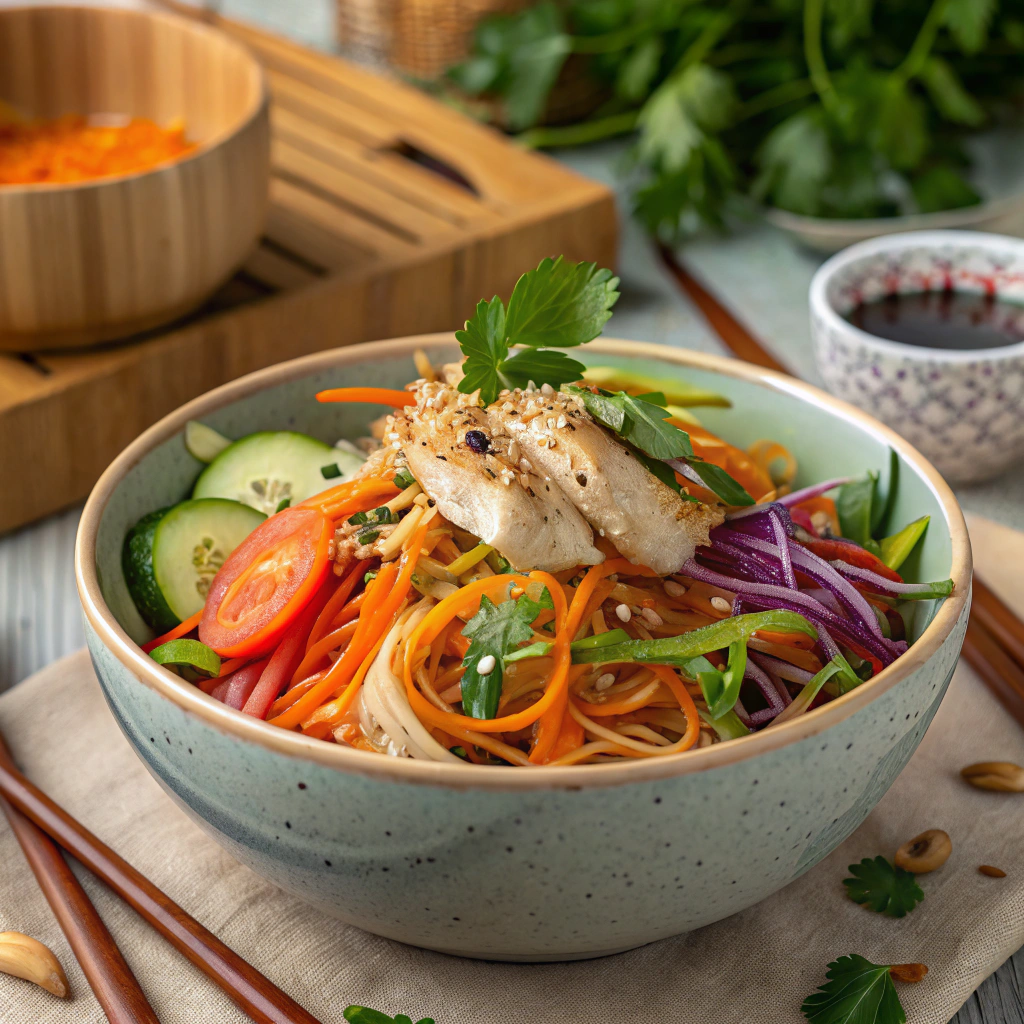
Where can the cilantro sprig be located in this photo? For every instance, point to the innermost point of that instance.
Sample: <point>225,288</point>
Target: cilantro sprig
<point>496,631</point>
<point>857,992</point>
<point>881,887</point>
<point>364,1015</point>
<point>560,303</point>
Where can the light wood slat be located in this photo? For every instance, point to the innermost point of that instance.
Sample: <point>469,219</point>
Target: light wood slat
<point>343,223</point>
<point>375,204</point>
<point>276,270</point>
<point>312,241</point>
<point>17,377</point>
<point>345,118</point>
<point>392,172</point>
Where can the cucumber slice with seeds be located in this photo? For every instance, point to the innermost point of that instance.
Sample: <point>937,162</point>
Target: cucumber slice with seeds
<point>171,556</point>
<point>263,470</point>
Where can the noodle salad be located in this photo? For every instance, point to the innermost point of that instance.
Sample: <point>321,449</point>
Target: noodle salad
<point>525,562</point>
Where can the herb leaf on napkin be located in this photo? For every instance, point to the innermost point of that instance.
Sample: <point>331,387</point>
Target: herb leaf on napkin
<point>857,992</point>
<point>878,885</point>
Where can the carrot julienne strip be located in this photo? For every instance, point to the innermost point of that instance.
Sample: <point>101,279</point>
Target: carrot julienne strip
<point>183,627</point>
<point>377,396</point>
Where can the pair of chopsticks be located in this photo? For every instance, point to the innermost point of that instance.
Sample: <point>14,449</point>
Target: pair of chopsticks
<point>994,645</point>
<point>41,827</point>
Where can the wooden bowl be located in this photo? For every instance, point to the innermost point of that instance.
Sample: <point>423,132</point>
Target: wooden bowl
<point>91,261</point>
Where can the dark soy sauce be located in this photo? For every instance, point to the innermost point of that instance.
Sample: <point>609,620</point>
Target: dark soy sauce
<point>949,320</point>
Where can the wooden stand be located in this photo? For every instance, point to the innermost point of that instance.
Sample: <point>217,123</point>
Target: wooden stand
<point>391,215</point>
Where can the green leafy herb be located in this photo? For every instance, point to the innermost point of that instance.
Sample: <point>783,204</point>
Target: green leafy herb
<point>881,887</point>
<point>561,303</point>
<point>857,992</point>
<point>715,479</point>
<point>638,421</point>
<point>364,1015</point>
<point>854,503</point>
<point>330,472</point>
<point>495,631</point>
<point>829,108</point>
<point>404,478</point>
<point>283,504</point>
<point>188,654</point>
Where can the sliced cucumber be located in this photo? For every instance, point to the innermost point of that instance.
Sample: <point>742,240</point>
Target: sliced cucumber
<point>171,556</point>
<point>262,470</point>
<point>204,442</point>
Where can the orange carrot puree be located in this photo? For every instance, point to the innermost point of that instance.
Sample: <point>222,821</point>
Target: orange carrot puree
<point>71,148</point>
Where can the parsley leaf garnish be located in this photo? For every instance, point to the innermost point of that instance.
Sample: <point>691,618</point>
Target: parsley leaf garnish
<point>495,630</point>
<point>857,992</point>
<point>883,888</point>
<point>560,303</point>
<point>364,1015</point>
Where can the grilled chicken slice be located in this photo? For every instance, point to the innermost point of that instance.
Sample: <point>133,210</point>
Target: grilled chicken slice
<point>645,519</point>
<point>476,487</point>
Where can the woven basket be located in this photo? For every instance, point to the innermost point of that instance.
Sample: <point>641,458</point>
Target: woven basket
<point>421,38</point>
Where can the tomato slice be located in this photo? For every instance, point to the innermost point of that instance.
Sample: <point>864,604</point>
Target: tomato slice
<point>266,582</point>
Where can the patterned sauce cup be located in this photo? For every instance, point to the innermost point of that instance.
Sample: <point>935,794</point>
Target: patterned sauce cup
<point>964,409</point>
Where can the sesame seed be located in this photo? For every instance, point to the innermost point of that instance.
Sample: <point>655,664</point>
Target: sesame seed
<point>623,612</point>
<point>652,617</point>
<point>485,666</point>
<point>604,681</point>
<point>561,422</point>
<point>720,604</point>
<point>674,589</point>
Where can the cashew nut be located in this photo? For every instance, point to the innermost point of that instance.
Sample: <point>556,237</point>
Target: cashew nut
<point>24,957</point>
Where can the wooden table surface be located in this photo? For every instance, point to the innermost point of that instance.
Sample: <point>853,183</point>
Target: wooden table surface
<point>758,272</point>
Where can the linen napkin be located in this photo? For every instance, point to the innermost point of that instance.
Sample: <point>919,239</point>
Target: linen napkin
<point>754,967</point>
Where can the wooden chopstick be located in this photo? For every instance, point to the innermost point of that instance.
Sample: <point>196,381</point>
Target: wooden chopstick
<point>994,645</point>
<point>994,648</point>
<point>110,978</point>
<point>255,994</point>
<point>732,333</point>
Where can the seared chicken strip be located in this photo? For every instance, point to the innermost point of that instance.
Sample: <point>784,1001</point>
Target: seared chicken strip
<point>645,519</point>
<point>462,463</point>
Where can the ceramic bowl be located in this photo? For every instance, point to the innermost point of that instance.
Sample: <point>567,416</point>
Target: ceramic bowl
<point>511,863</point>
<point>963,409</point>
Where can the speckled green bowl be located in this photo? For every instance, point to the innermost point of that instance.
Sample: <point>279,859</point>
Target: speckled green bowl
<point>514,863</point>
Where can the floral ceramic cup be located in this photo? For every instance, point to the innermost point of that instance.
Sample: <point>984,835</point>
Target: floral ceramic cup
<point>963,409</point>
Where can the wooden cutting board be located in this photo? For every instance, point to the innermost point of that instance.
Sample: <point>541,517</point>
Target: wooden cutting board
<point>391,214</point>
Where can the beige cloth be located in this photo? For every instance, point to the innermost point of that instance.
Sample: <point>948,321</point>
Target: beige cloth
<point>755,967</point>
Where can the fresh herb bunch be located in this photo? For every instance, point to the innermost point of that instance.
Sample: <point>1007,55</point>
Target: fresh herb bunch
<point>830,108</point>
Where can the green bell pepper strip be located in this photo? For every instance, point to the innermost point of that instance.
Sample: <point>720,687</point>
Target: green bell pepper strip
<point>896,548</point>
<point>721,689</point>
<point>589,643</point>
<point>728,727</point>
<point>838,666</point>
<point>189,653</point>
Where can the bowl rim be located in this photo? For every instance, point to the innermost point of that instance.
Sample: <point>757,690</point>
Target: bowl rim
<point>258,107</point>
<point>432,773</point>
<point>822,308</point>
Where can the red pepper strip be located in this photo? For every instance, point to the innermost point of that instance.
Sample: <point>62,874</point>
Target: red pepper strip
<point>285,660</point>
<point>375,396</point>
<point>853,554</point>
<point>801,518</point>
<point>876,665</point>
<point>220,691</point>
<point>242,683</point>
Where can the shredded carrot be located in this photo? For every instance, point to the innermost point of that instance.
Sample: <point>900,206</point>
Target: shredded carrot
<point>461,602</point>
<point>375,396</point>
<point>336,603</point>
<point>71,148</point>
<point>231,665</point>
<point>352,496</point>
<point>186,626</point>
